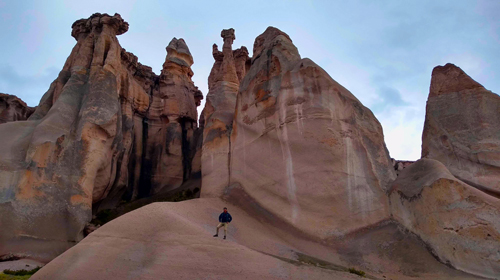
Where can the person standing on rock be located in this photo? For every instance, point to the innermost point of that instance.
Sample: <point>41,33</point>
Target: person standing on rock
<point>224,220</point>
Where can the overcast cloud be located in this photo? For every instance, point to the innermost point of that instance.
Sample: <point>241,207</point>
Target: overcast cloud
<point>382,51</point>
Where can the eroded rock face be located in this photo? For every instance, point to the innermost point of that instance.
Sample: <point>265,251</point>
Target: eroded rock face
<point>13,109</point>
<point>217,116</point>
<point>107,130</point>
<point>303,148</point>
<point>462,128</point>
<point>458,222</point>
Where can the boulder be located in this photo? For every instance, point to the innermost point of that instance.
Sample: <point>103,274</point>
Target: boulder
<point>462,128</point>
<point>13,109</point>
<point>302,147</point>
<point>459,223</point>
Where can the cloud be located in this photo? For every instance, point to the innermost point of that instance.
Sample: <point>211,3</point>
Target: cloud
<point>388,97</point>
<point>29,88</point>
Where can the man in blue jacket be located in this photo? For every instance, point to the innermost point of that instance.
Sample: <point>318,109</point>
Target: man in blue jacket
<point>224,220</point>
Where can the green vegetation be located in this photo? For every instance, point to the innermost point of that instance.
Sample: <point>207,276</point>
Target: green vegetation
<point>357,272</point>
<point>22,274</point>
<point>185,195</point>
<point>303,259</point>
<point>306,259</point>
<point>103,217</point>
<point>12,277</point>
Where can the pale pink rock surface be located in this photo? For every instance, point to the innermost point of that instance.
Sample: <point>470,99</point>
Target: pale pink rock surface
<point>462,128</point>
<point>459,223</point>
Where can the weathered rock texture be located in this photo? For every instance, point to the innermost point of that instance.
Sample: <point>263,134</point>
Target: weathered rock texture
<point>13,109</point>
<point>303,148</point>
<point>107,130</point>
<point>217,116</point>
<point>462,128</point>
<point>399,165</point>
<point>459,223</point>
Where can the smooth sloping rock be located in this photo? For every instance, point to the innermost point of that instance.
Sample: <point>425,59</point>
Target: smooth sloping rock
<point>13,109</point>
<point>459,223</point>
<point>103,133</point>
<point>462,128</point>
<point>217,116</point>
<point>303,147</point>
<point>174,240</point>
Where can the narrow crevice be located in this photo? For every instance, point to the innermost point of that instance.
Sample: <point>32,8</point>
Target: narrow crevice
<point>144,189</point>
<point>486,190</point>
<point>229,129</point>
<point>186,151</point>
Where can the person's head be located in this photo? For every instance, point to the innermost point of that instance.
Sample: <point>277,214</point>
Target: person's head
<point>225,209</point>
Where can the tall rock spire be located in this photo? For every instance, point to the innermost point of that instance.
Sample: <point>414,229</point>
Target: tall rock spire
<point>462,128</point>
<point>108,130</point>
<point>217,116</point>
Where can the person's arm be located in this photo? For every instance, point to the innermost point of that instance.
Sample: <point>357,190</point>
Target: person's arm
<point>230,218</point>
<point>220,218</point>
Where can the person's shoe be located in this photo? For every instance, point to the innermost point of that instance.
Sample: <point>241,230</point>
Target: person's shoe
<point>224,237</point>
<point>216,235</point>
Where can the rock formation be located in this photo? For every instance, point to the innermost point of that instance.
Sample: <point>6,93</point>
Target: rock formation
<point>107,130</point>
<point>459,223</point>
<point>399,165</point>
<point>13,109</point>
<point>217,116</point>
<point>462,128</point>
<point>303,148</point>
<point>300,162</point>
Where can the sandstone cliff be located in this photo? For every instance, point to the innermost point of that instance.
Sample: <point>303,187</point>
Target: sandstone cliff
<point>107,130</point>
<point>462,128</point>
<point>302,147</point>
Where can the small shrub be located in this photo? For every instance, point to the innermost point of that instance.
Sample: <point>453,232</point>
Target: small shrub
<point>357,272</point>
<point>21,272</point>
<point>103,217</point>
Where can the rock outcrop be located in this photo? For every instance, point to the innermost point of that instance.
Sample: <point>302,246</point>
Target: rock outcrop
<point>303,148</point>
<point>217,116</point>
<point>399,165</point>
<point>459,223</point>
<point>108,130</point>
<point>462,128</point>
<point>13,109</point>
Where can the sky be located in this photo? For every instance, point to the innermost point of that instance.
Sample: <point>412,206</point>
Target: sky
<point>381,51</point>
